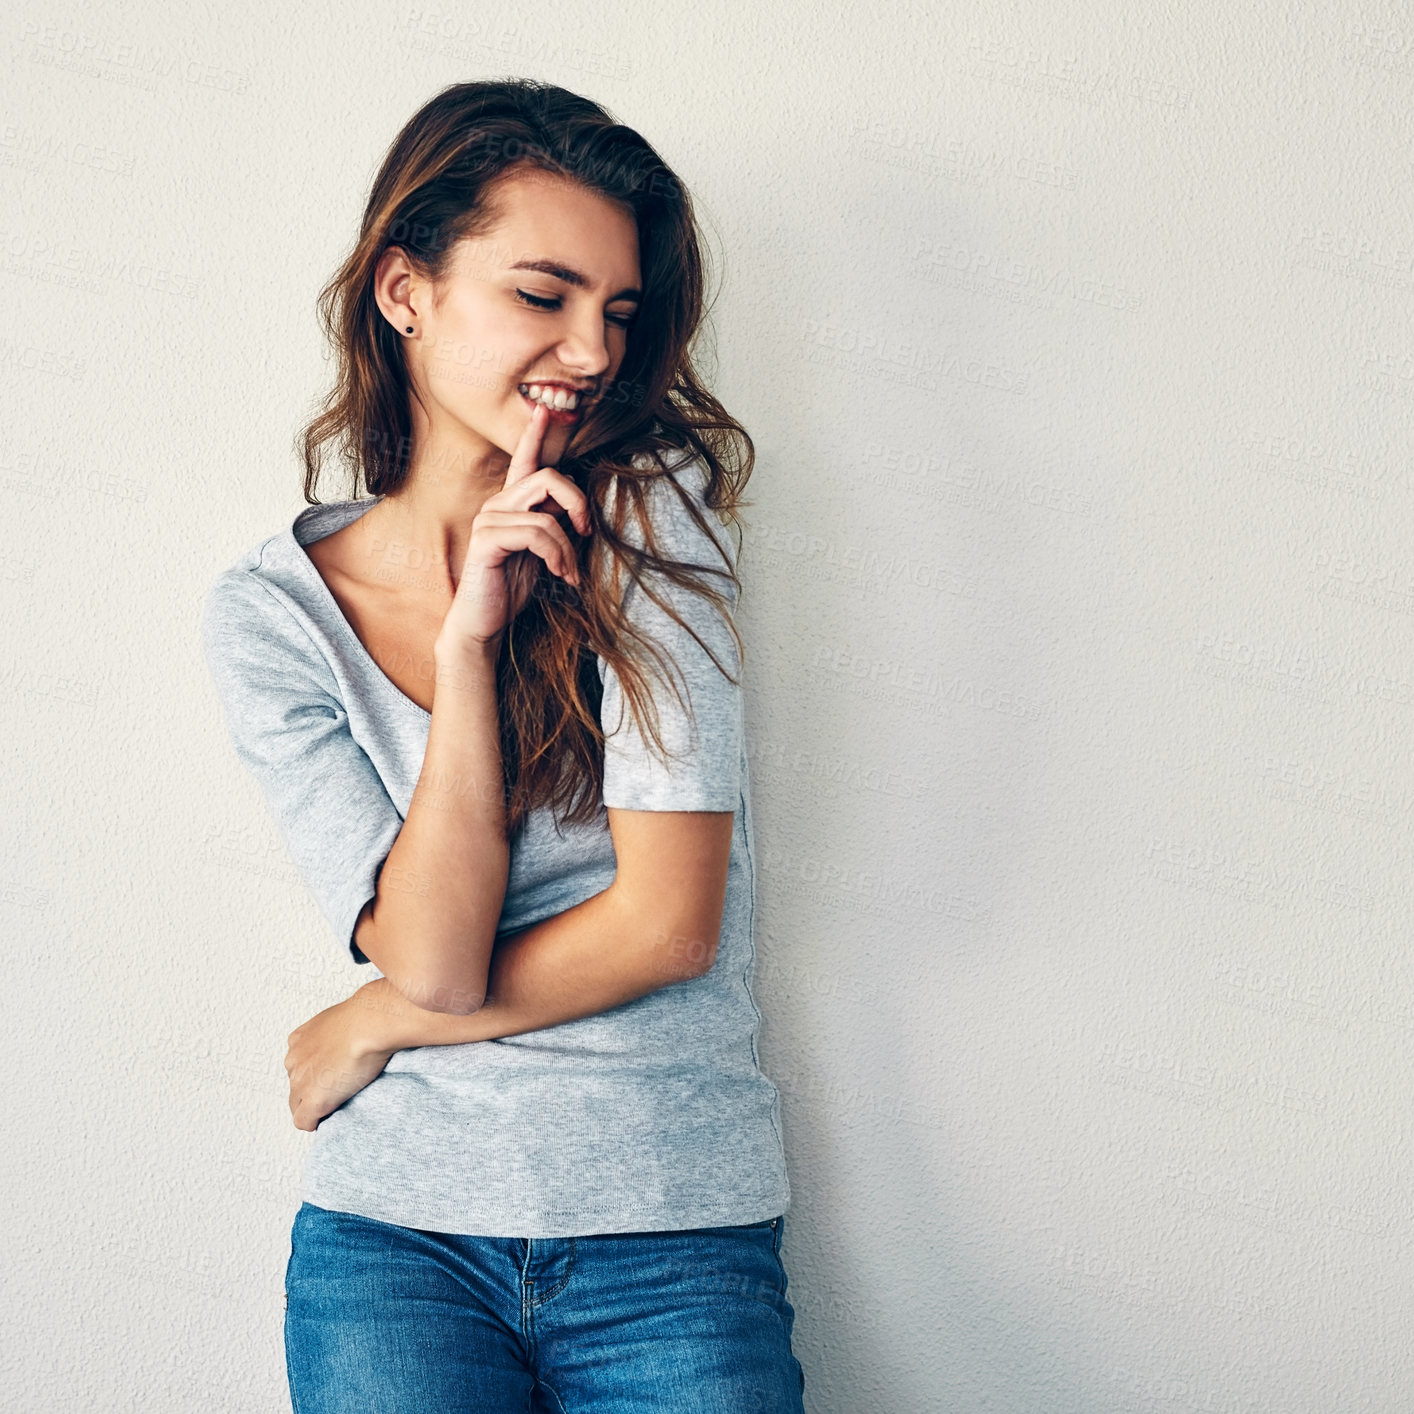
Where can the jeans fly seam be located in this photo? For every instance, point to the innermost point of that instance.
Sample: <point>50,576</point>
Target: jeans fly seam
<point>527,1304</point>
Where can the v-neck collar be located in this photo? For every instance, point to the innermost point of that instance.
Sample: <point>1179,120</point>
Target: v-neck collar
<point>315,523</point>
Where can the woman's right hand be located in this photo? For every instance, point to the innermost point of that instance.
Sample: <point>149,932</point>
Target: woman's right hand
<point>335,1054</point>
<point>499,573</point>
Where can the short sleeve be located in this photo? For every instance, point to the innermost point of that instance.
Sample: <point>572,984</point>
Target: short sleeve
<point>704,738</point>
<point>290,730</point>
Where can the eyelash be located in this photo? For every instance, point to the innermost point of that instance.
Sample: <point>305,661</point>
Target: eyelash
<point>535,302</point>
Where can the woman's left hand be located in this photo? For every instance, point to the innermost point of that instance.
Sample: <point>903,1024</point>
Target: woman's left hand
<point>331,1057</point>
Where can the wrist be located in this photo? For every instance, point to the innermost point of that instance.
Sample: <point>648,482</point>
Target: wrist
<point>385,1018</point>
<point>467,669</point>
<point>466,653</point>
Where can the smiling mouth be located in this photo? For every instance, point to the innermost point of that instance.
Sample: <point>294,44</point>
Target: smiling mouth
<point>566,407</point>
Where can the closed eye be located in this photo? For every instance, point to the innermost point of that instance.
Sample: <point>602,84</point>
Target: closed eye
<point>536,302</point>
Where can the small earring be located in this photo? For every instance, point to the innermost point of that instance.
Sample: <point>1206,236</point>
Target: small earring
<point>409,328</point>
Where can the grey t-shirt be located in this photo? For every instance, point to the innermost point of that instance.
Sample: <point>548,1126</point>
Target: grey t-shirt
<point>652,1116</point>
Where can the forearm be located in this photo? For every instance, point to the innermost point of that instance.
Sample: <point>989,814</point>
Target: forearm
<point>431,927</point>
<point>589,959</point>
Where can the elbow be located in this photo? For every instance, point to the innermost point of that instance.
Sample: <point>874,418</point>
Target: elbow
<point>456,1002</point>
<point>675,944</point>
<point>681,954</point>
<point>432,986</point>
<point>452,996</point>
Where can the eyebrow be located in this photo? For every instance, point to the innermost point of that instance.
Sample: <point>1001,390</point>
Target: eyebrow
<point>571,277</point>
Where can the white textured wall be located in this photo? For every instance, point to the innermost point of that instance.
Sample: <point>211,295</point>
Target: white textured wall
<point>1077,345</point>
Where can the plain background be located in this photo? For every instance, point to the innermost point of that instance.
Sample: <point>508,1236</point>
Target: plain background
<point>1076,344</point>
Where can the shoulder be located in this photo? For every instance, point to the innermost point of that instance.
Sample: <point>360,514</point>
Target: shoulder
<point>246,624</point>
<point>236,593</point>
<point>683,466</point>
<point>674,501</point>
<point>238,601</point>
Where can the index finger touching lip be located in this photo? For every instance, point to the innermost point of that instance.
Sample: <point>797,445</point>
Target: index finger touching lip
<point>526,457</point>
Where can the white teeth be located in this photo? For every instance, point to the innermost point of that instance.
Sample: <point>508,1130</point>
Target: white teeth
<point>552,397</point>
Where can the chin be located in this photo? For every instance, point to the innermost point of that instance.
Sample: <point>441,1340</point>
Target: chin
<point>505,435</point>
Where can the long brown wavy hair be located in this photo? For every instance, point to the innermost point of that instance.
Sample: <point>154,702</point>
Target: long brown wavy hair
<point>434,189</point>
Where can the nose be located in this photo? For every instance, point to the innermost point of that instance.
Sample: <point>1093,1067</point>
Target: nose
<point>583,347</point>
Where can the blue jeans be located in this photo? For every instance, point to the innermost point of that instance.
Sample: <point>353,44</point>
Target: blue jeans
<point>382,1319</point>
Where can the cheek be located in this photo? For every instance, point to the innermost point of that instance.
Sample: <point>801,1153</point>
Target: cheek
<point>486,344</point>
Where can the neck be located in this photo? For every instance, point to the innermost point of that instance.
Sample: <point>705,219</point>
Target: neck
<point>426,524</point>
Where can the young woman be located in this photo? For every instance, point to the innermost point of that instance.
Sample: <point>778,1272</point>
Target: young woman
<point>495,709</point>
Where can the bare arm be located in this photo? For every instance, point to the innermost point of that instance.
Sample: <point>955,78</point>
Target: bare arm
<point>431,926</point>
